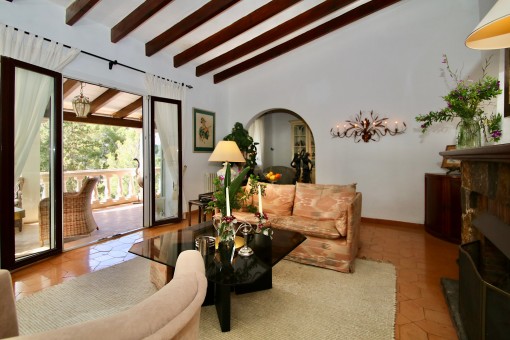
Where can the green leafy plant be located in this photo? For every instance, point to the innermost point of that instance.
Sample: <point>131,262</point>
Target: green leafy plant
<point>245,143</point>
<point>219,196</point>
<point>226,228</point>
<point>465,101</point>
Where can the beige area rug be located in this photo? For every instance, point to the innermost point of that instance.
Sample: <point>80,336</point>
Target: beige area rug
<point>313,303</point>
<point>305,303</point>
<point>87,297</point>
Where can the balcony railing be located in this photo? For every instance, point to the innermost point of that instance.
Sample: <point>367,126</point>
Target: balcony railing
<point>116,186</point>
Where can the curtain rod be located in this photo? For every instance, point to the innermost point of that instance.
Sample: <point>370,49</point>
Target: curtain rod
<point>110,62</point>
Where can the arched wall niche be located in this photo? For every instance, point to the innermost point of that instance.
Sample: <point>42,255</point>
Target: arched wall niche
<point>275,130</point>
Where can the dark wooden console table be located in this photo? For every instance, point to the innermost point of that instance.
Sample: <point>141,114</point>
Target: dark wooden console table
<point>442,206</point>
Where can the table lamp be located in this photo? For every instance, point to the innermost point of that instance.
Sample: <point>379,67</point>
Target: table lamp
<point>226,152</point>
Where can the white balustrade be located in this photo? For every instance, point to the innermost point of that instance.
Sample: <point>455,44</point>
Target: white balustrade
<point>110,179</point>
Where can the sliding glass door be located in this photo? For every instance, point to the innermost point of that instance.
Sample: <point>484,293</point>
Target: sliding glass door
<point>31,108</point>
<point>165,132</point>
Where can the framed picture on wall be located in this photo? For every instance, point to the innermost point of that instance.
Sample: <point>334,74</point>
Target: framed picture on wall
<point>203,130</point>
<point>448,163</point>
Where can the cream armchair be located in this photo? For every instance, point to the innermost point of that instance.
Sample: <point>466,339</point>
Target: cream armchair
<point>173,312</point>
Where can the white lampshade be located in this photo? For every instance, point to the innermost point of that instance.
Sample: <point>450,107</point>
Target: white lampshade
<point>493,32</point>
<point>226,151</point>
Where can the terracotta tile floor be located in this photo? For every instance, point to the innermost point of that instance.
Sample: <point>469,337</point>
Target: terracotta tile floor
<point>420,260</point>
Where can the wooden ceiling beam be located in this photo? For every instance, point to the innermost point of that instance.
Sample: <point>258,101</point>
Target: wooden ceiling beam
<point>77,10</point>
<point>103,99</point>
<point>303,19</point>
<point>186,25</point>
<point>70,116</point>
<point>137,17</point>
<point>317,32</point>
<point>69,86</point>
<point>240,26</point>
<point>125,111</point>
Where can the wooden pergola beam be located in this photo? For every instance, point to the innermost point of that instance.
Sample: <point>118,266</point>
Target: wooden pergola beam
<point>125,111</point>
<point>70,116</point>
<point>103,99</point>
<point>69,86</point>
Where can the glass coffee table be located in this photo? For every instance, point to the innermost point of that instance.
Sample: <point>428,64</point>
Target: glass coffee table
<point>246,274</point>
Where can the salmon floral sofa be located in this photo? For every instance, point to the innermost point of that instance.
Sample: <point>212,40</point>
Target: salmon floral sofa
<point>328,215</point>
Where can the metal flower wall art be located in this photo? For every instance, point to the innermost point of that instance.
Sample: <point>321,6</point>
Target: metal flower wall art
<point>368,129</point>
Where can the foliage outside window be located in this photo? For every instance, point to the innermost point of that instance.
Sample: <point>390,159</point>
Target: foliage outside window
<point>94,147</point>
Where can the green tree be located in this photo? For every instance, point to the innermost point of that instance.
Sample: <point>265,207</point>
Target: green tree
<point>92,146</point>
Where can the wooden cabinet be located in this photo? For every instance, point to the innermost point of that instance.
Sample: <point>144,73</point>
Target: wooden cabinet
<point>442,206</point>
<point>302,139</point>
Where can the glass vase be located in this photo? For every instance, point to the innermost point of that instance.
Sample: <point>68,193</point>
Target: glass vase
<point>468,134</point>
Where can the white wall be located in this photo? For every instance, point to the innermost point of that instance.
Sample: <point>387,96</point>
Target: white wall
<point>388,62</point>
<point>277,138</point>
<point>47,20</point>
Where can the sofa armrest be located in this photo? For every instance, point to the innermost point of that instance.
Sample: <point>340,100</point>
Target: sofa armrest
<point>354,219</point>
<point>173,312</point>
<point>8,318</point>
<point>189,261</point>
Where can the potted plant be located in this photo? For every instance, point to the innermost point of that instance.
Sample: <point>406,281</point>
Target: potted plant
<point>465,101</point>
<point>245,143</point>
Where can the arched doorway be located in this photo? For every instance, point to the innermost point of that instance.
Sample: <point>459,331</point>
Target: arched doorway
<point>282,134</point>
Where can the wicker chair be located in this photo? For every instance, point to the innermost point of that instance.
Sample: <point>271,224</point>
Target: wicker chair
<point>77,214</point>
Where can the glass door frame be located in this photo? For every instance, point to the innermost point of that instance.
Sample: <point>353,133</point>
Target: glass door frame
<point>152,128</point>
<point>7,121</point>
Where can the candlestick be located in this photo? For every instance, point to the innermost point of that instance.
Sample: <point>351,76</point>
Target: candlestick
<point>228,201</point>
<point>260,199</point>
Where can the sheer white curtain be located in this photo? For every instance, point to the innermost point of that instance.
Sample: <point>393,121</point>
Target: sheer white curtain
<point>33,90</point>
<point>256,131</point>
<point>168,134</point>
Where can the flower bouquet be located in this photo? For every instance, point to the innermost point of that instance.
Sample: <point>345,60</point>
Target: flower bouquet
<point>261,227</point>
<point>465,101</point>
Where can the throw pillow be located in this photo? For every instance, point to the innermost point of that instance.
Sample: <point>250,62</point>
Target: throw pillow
<point>278,199</point>
<point>322,201</point>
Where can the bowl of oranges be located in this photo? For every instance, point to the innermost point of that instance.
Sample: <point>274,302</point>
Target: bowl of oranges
<point>273,177</point>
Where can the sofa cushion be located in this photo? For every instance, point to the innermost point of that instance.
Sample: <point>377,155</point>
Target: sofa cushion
<point>278,199</point>
<point>322,201</point>
<point>306,226</point>
<point>248,217</point>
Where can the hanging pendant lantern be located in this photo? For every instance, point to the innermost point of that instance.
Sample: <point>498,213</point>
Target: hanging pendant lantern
<point>81,104</point>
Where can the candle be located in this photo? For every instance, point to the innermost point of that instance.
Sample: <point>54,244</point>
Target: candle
<point>260,201</point>
<point>228,201</point>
